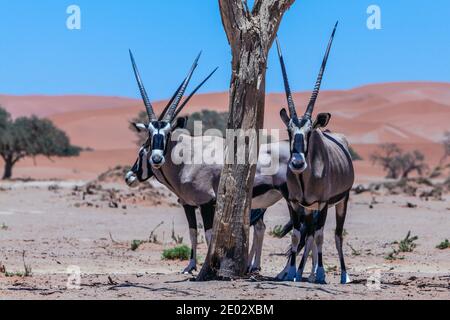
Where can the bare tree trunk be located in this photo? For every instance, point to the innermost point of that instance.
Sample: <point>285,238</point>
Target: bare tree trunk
<point>7,173</point>
<point>250,35</point>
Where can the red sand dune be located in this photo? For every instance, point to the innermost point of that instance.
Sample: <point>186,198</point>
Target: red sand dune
<point>413,115</point>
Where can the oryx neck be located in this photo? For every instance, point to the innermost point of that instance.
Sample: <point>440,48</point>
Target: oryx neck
<point>164,170</point>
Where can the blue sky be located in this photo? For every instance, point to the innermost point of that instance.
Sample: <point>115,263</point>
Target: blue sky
<point>39,55</point>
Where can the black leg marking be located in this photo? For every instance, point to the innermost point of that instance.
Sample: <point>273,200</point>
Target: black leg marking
<point>341,212</point>
<point>320,261</point>
<point>293,259</point>
<point>208,211</point>
<point>296,218</point>
<point>190,215</point>
<point>308,231</point>
<point>256,215</point>
<point>321,220</point>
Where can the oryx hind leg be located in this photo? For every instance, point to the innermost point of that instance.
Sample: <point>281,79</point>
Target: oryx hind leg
<point>341,212</point>
<point>259,228</point>
<point>254,262</point>
<point>193,232</point>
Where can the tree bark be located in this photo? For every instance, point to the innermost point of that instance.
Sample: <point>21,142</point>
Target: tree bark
<point>250,35</point>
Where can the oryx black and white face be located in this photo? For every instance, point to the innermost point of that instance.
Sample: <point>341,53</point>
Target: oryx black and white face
<point>300,128</point>
<point>141,170</point>
<point>160,128</point>
<point>159,134</point>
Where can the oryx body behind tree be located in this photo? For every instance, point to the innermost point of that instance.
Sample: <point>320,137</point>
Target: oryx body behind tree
<point>320,175</point>
<point>196,183</point>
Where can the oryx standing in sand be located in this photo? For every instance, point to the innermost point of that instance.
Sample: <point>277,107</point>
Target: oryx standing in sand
<point>196,184</point>
<point>320,175</point>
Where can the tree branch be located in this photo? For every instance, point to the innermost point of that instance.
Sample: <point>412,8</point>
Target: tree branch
<point>17,158</point>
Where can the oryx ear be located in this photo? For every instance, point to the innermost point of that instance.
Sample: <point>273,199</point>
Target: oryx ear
<point>322,120</point>
<point>180,123</point>
<point>139,126</point>
<point>285,117</point>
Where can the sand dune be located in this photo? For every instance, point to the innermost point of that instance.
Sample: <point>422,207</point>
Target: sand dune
<point>45,106</point>
<point>413,115</point>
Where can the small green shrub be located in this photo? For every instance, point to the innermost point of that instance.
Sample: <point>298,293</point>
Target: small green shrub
<point>178,253</point>
<point>406,245</point>
<point>14,274</point>
<point>135,244</point>
<point>354,251</point>
<point>331,268</point>
<point>277,232</point>
<point>443,245</point>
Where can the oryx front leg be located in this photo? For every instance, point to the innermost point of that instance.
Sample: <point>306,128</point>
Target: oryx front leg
<point>208,211</point>
<point>309,242</point>
<point>289,272</point>
<point>193,232</point>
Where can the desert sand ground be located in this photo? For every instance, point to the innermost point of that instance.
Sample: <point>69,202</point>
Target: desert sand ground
<point>57,228</point>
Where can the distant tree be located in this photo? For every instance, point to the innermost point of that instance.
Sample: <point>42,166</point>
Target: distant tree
<point>354,154</point>
<point>387,158</point>
<point>142,117</point>
<point>210,120</point>
<point>31,137</point>
<point>398,163</point>
<point>413,161</point>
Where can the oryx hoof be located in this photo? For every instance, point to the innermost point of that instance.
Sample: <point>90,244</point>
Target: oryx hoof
<point>299,276</point>
<point>189,269</point>
<point>312,278</point>
<point>320,276</point>
<point>253,270</point>
<point>288,274</point>
<point>345,279</point>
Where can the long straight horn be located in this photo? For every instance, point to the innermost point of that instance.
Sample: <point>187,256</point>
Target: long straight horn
<point>315,94</point>
<point>148,106</point>
<point>287,88</point>
<point>170,103</point>
<point>193,93</point>
<point>168,116</point>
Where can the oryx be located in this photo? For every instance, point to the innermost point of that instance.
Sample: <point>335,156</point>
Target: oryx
<point>196,184</point>
<point>320,175</point>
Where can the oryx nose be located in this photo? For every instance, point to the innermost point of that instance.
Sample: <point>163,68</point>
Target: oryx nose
<point>298,163</point>
<point>157,159</point>
<point>131,179</point>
